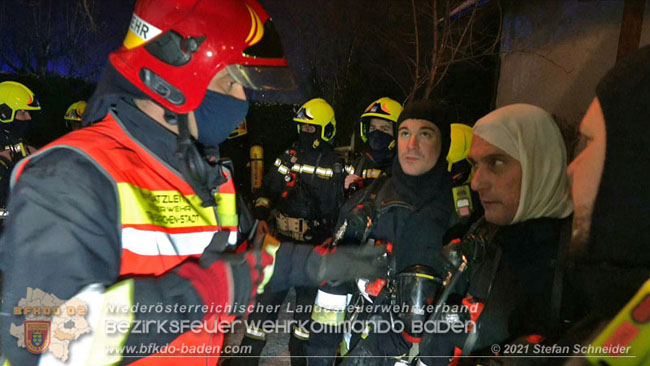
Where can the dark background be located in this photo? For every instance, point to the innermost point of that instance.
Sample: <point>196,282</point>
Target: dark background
<point>349,52</point>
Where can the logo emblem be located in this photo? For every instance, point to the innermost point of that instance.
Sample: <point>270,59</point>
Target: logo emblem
<point>257,28</point>
<point>37,335</point>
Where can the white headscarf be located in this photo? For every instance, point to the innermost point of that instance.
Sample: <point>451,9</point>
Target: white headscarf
<point>530,135</point>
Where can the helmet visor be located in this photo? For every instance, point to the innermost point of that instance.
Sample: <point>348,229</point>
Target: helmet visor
<point>263,77</point>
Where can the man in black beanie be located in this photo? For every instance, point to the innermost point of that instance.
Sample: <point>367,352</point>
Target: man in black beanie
<point>411,210</point>
<point>609,175</point>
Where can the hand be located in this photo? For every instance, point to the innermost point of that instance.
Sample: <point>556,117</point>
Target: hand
<point>352,178</point>
<point>347,263</point>
<point>262,228</point>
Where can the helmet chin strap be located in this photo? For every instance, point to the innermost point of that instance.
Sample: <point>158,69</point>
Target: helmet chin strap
<point>203,177</point>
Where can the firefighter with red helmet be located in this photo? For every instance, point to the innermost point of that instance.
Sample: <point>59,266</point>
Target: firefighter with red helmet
<point>115,251</point>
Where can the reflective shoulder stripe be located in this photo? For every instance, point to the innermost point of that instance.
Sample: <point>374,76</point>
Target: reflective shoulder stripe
<point>277,162</point>
<point>148,242</point>
<point>349,169</point>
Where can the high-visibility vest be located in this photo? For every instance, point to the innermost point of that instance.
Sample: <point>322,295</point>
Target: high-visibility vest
<point>160,216</point>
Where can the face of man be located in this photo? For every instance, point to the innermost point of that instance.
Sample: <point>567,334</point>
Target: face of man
<point>222,83</point>
<point>497,179</point>
<point>586,169</point>
<point>307,128</point>
<point>418,146</point>
<point>378,124</point>
<point>22,115</point>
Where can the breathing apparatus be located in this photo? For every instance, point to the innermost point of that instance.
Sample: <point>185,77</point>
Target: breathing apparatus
<point>460,169</point>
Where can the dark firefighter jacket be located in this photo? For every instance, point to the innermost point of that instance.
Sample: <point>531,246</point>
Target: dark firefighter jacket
<point>64,238</point>
<point>519,300</point>
<point>413,214</point>
<point>304,183</point>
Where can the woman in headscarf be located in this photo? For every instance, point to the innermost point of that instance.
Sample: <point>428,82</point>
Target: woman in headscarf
<point>519,161</point>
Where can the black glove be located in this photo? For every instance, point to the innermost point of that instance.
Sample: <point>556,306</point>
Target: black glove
<point>347,263</point>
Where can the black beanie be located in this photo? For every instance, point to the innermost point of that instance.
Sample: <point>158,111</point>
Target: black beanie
<point>434,112</point>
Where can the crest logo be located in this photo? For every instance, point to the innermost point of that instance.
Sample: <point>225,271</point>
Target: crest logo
<point>37,335</point>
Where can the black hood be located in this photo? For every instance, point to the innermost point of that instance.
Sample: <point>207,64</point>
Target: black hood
<point>111,88</point>
<point>432,187</point>
<point>620,226</point>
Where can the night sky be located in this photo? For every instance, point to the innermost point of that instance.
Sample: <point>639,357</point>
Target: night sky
<point>349,52</point>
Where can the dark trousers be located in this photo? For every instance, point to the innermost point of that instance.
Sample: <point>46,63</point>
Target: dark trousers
<point>272,301</point>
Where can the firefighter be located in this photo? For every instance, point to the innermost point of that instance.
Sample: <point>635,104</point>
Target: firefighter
<point>17,103</point>
<point>125,222</point>
<point>378,127</point>
<point>73,115</point>
<point>506,264</point>
<point>236,148</point>
<point>412,209</point>
<point>304,187</point>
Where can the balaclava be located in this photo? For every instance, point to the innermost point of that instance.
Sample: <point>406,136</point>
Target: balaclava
<point>422,189</point>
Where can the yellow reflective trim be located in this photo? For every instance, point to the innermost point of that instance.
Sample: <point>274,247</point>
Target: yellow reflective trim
<point>277,162</point>
<point>270,245</point>
<point>301,333</point>
<point>327,317</point>
<point>422,275</point>
<point>256,333</point>
<point>307,169</point>
<point>117,298</point>
<point>6,363</point>
<point>227,209</point>
<point>371,173</point>
<point>349,169</point>
<point>170,209</point>
<point>324,173</point>
<point>283,169</point>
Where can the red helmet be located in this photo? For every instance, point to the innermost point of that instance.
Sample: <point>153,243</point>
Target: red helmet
<point>174,48</point>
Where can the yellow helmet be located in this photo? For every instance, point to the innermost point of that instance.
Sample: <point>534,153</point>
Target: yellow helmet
<point>319,113</point>
<point>15,97</point>
<point>461,141</point>
<point>241,130</point>
<point>384,108</point>
<point>75,111</point>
